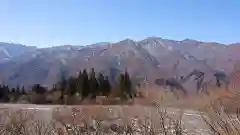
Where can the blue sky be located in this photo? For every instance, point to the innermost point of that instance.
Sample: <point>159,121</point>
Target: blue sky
<point>79,22</point>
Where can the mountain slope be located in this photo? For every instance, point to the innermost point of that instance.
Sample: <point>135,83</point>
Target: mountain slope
<point>10,50</point>
<point>151,57</point>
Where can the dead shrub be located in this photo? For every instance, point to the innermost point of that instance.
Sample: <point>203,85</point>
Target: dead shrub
<point>220,119</point>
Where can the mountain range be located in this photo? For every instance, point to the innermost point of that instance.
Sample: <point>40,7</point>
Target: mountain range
<point>149,58</point>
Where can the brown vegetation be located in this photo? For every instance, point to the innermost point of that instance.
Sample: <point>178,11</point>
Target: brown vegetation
<point>220,107</point>
<point>154,119</point>
<point>72,121</point>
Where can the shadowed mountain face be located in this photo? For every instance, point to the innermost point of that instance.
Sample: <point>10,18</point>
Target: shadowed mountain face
<point>152,58</point>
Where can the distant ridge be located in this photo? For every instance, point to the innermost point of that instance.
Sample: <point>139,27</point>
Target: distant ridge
<point>152,57</point>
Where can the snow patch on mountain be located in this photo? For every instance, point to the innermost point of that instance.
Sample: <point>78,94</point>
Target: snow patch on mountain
<point>63,61</point>
<point>170,48</point>
<point>5,52</point>
<point>161,43</point>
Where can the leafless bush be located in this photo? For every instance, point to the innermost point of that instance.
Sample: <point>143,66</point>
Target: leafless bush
<point>157,121</point>
<point>74,122</point>
<point>22,122</point>
<point>18,122</point>
<point>220,120</point>
<point>169,123</point>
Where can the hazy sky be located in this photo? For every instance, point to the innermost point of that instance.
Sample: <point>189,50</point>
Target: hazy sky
<point>57,22</point>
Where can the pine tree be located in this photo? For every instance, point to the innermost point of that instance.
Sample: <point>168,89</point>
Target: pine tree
<point>80,74</point>
<point>18,92</point>
<point>79,82</point>
<point>23,92</point>
<point>93,84</point>
<point>107,86</point>
<point>72,87</point>
<point>7,89</point>
<point>38,89</point>
<point>125,85</point>
<point>85,84</point>
<point>1,92</point>
<point>63,85</point>
<point>54,88</point>
<point>101,86</point>
<point>13,91</point>
<point>40,94</point>
<point>121,85</point>
<point>128,85</point>
<point>4,94</point>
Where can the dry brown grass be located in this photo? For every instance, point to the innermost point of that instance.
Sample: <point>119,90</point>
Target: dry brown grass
<point>121,120</point>
<point>220,119</point>
<point>191,102</point>
<point>76,121</point>
<point>149,118</point>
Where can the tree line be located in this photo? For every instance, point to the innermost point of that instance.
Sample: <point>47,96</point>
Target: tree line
<point>86,85</point>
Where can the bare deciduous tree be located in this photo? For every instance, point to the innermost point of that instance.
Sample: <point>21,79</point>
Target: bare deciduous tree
<point>172,82</point>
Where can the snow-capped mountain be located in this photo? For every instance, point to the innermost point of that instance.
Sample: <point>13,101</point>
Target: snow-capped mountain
<point>152,57</point>
<point>10,50</point>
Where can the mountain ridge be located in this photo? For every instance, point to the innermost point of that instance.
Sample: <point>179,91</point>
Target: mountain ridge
<point>106,42</point>
<point>151,57</point>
